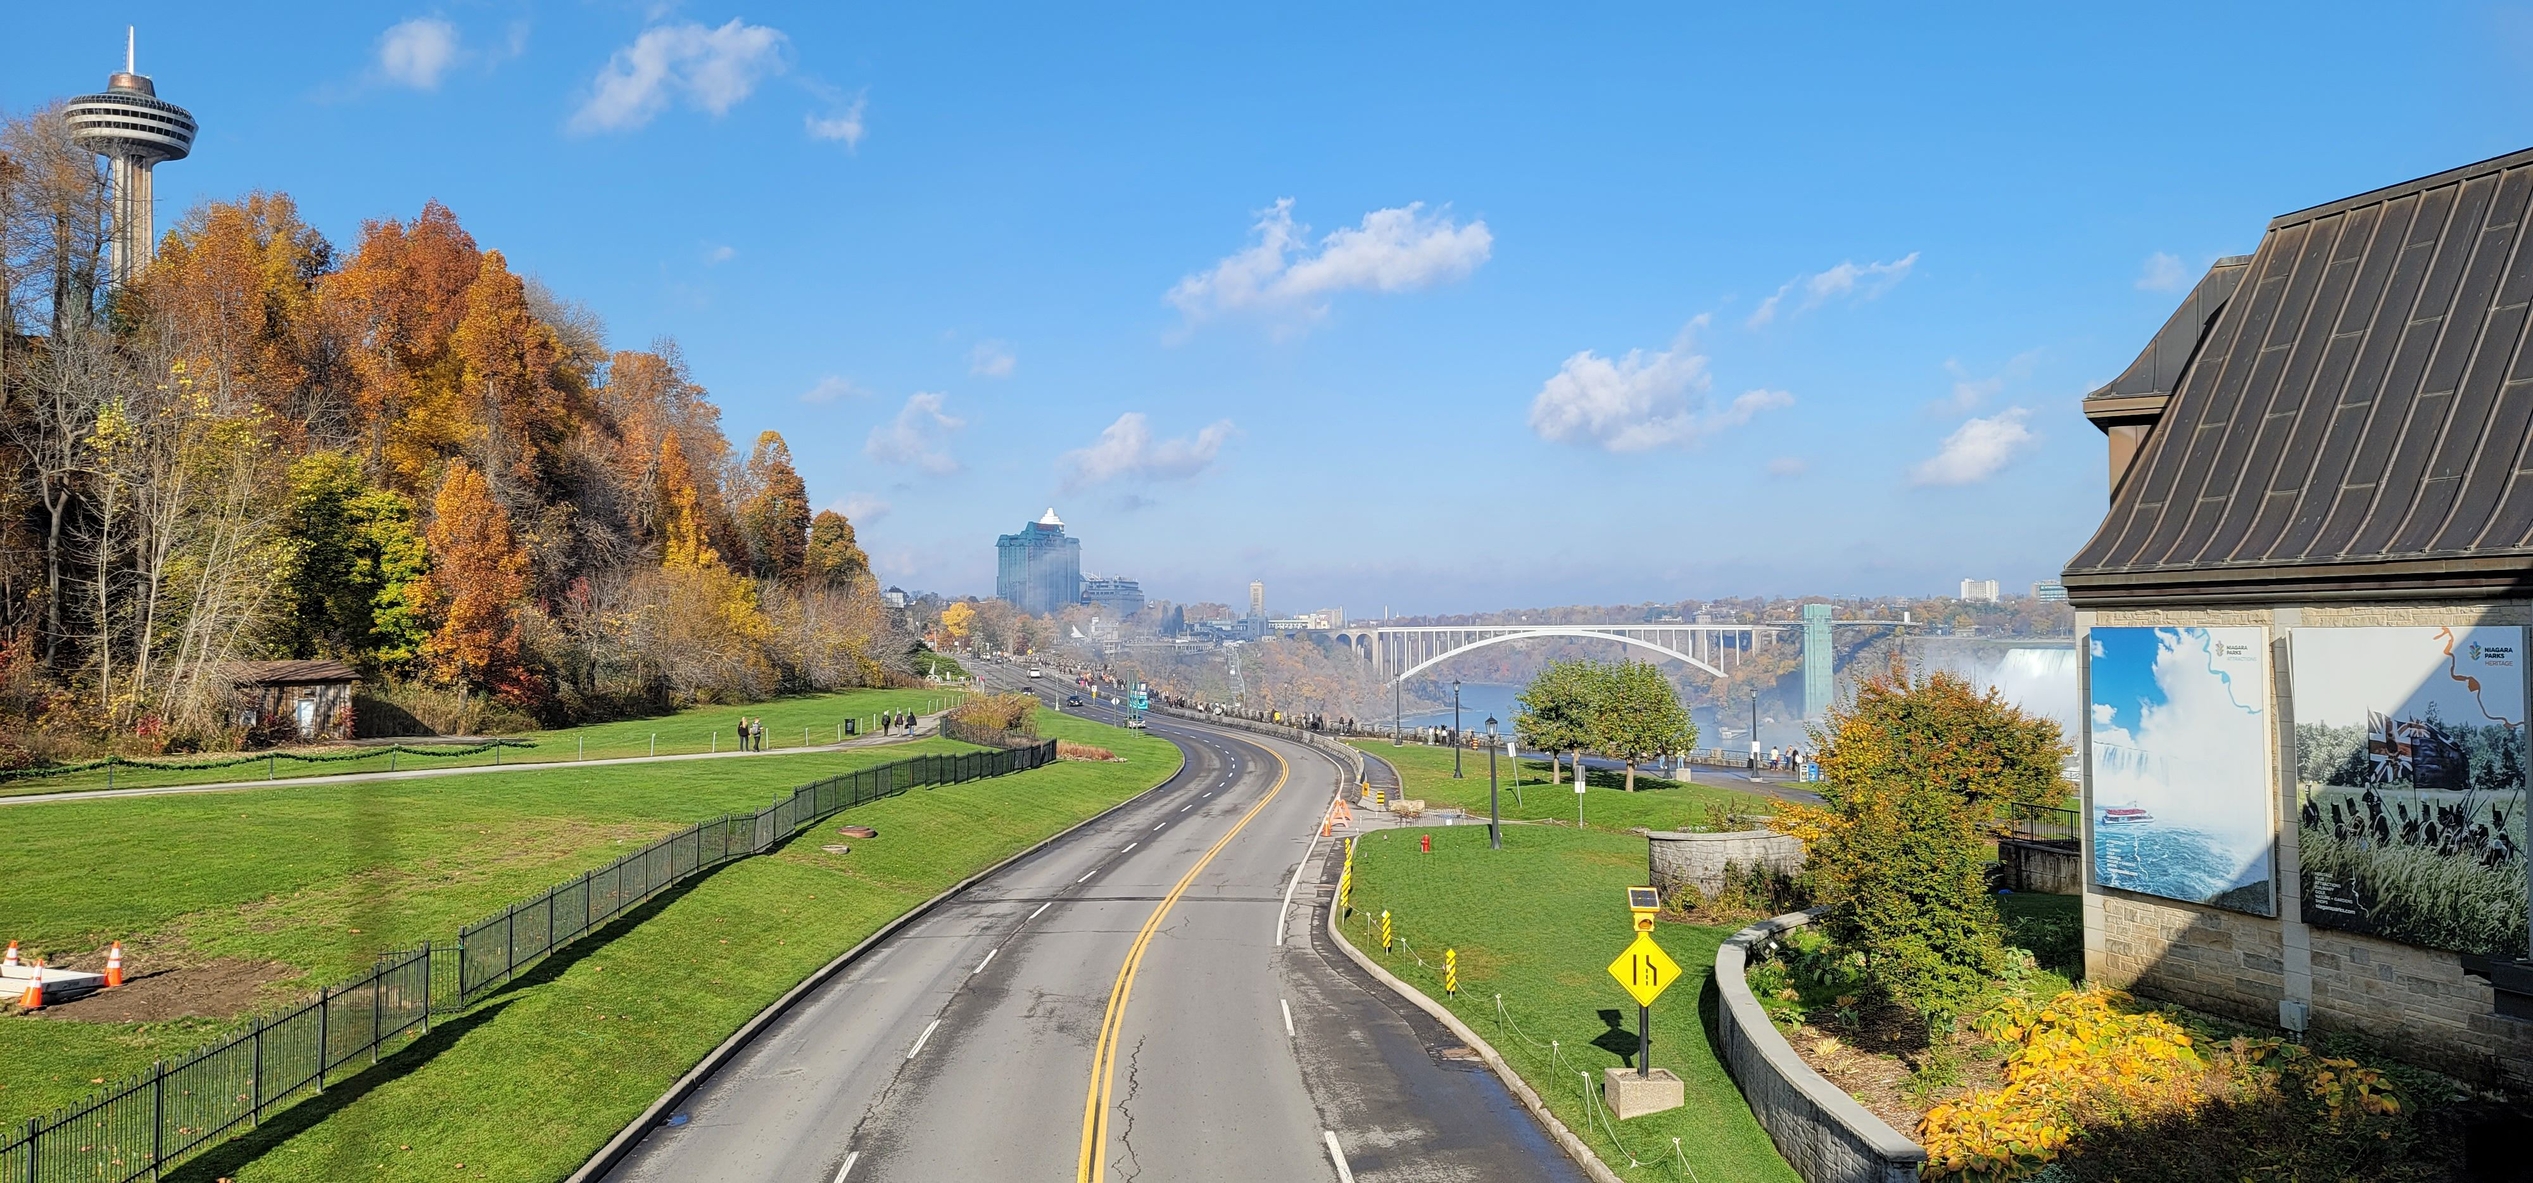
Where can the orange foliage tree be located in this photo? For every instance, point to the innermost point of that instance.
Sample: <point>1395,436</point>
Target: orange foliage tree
<point>476,581</point>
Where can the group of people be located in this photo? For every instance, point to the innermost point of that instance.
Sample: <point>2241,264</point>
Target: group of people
<point>1792,760</point>
<point>752,728</point>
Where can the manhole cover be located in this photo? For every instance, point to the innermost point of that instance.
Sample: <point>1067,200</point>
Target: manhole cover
<point>1459,1053</point>
<point>857,831</point>
<point>835,848</point>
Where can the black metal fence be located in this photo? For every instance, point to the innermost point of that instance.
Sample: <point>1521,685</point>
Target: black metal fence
<point>140,1127</point>
<point>499,946</point>
<point>2039,823</point>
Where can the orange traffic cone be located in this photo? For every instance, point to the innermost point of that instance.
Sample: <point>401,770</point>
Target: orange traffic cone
<point>33,999</point>
<point>114,966</point>
<point>12,957</point>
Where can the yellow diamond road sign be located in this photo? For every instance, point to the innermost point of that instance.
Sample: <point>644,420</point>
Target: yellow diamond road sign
<point>1645,970</point>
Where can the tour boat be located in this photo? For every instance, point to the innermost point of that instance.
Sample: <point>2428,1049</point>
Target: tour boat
<point>2125,814</point>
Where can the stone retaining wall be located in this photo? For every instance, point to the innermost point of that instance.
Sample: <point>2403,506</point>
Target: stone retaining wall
<point>1822,1132</point>
<point>2041,866</point>
<point>1679,860</point>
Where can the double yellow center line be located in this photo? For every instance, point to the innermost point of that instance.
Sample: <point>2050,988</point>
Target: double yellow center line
<point>1094,1164</point>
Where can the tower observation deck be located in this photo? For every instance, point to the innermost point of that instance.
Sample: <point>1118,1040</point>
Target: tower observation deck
<point>135,131</point>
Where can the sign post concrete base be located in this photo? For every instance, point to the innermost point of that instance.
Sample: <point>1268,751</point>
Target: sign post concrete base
<point>1630,1095</point>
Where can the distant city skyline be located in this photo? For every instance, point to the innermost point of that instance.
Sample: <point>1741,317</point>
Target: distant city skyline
<point>1613,323</point>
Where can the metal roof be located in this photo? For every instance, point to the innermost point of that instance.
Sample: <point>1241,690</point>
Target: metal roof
<point>290,673</point>
<point>2355,423</point>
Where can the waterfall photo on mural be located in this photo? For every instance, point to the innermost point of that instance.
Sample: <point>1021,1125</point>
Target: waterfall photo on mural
<point>2177,735</point>
<point>2410,784</point>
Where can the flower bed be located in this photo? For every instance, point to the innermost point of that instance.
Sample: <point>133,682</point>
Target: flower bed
<point>2065,1083</point>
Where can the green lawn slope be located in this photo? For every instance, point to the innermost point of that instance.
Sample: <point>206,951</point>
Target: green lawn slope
<point>1534,925</point>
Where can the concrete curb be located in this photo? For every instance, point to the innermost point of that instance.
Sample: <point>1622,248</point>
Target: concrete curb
<point>626,1139</point>
<point>1824,1134</point>
<point>1574,1147</point>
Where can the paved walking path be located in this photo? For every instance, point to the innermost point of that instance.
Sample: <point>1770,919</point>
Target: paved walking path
<point>926,726</point>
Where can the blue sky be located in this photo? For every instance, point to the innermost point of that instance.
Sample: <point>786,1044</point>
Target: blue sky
<point>1586,305</point>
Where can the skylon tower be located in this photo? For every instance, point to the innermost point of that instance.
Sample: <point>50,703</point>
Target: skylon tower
<point>135,131</point>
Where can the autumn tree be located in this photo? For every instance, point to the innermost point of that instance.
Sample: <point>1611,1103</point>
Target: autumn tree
<point>1638,716</point>
<point>519,397</point>
<point>233,290</point>
<point>475,584</point>
<point>774,518</point>
<point>833,554</point>
<point>397,303</point>
<point>1915,773</point>
<point>957,620</point>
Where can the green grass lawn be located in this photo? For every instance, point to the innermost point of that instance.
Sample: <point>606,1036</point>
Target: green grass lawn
<point>806,720</point>
<point>1536,923</point>
<point>320,878</point>
<point>1657,804</point>
<point>530,1083</point>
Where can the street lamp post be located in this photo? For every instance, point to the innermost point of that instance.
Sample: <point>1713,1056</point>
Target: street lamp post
<point>1455,729</point>
<point>1398,699</point>
<point>1494,819</point>
<point>1754,730</point>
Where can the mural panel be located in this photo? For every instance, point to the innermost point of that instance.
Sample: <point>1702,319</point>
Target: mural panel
<point>2178,736</point>
<point>2410,784</point>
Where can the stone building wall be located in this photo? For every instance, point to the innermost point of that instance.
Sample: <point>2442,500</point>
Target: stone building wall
<point>2419,1004</point>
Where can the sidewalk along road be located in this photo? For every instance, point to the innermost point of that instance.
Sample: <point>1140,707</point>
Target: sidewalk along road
<point>928,726</point>
<point>1118,1006</point>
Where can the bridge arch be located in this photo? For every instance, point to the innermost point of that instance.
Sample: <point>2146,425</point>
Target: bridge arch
<point>1529,633</point>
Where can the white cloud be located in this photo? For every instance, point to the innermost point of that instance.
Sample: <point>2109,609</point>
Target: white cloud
<point>720,254</point>
<point>2162,273</point>
<point>831,388</point>
<point>862,509</point>
<point>710,69</point>
<point>1789,466</point>
<point>1864,282</point>
<point>1392,250</point>
<point>1641,400</point>
<point>845,125</point>
<point>418,52</point>
<point>1976,450</point>
<point>992,359</point>
<point>919,435</point>
<point>1127,449</point>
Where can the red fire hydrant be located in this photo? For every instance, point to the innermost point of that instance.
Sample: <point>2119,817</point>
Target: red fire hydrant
<point>1426,841</point>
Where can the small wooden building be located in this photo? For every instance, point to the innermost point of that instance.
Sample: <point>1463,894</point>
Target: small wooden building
<point>295,701</point>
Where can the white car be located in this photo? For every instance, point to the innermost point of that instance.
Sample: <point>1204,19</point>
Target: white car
<point>1035,672</point>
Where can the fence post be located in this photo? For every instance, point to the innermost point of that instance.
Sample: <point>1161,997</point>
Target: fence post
<point>429,979</point>
<point>510,938</point>
<point>255,1087</point>
<point>158,1116</point>
<point>33,1126</point>
<point>322,1008</point>
<point>376,1012</point>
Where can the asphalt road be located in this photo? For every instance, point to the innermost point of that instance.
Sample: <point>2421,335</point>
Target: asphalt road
<point>1115,1007</point>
